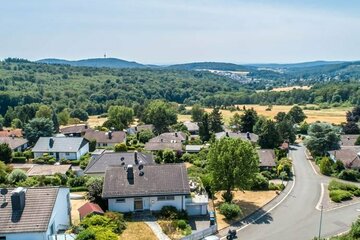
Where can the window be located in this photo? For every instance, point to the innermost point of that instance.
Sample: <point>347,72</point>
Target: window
<point>67,154</point>
<point>120,200</point>
<point>2,238</point>
<point>51,155</point>
<point>104,144</point>
<point>166,198</point>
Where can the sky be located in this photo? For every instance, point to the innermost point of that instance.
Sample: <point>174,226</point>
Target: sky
<point>179,31</point>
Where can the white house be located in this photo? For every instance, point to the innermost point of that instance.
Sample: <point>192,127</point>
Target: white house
<point>150,187</point>
<point>17,144</point>
<point>70,148</point>
<point>34,213</point>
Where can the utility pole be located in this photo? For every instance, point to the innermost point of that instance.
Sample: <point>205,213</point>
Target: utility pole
<point>321,213</point>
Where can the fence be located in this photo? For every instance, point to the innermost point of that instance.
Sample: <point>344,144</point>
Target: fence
<point>201,234</point>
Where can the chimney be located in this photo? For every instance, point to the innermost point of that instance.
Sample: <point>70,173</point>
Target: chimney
<point>110,134</point>
<point>136,157</point>
<point>18,199</point>
<point>248,136</point>
<point>51,142</point>
<point>86,126</point>
<point>130,174</point>
<point>161,140</point>
<point>136,128</point>
<point>176,134</point>
<point>227,134</point>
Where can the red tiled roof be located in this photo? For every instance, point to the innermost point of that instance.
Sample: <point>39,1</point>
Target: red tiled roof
<point>10,133</point>
<point>89,208</point>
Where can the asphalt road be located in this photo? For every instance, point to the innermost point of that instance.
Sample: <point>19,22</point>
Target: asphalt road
<point>296,217</point>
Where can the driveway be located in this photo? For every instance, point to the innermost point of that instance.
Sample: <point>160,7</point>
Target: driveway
<point>296,217</point>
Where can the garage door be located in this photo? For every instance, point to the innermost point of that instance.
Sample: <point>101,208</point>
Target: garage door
<point>193,210</point>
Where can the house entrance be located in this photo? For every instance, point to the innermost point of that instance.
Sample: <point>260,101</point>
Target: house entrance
<point>138,204</point>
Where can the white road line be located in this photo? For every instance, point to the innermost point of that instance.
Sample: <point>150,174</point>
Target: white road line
<point>262,215</point>
<point>318,205</point>
<point>313,168</point>
<point>342,206</point>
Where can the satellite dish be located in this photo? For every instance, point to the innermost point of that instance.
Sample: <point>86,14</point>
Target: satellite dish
<point>141,173</point>
<point>122,159</point>
<point>141,167</point>
<point>3,191</point>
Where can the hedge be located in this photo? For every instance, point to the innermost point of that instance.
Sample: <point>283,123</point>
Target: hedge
<point>340,195</point>
<point>18,160</point>
<point>79,189</point>
<point>336,185</point>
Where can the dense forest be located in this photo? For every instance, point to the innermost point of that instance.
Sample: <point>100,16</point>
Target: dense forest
<point>25,85</point>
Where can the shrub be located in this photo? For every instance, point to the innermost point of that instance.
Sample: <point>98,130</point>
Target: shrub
<point>18,160</point>
<point>276,187</point>
<point>349,175</point>
<point>97,233</point>
<point>325,166</point>
<point>170,212</point>
<point>118,219</point>
<point>78,189</point>
<point>17,176</point>
<point>355,230</point>
<point>335,185</point>
<point>181,224</point>
<point>338,166</point>
<point>267,174</point>
<point>77,181</point>
<point>230,210</point>
<point>357,142</point>
<point>120,147</point>
<point>340,195</point>
<point>260,183</point>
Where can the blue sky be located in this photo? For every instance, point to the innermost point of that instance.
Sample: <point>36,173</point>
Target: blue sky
<point>174,31</point>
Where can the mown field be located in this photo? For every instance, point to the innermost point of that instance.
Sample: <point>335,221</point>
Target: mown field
<point>334,115</point>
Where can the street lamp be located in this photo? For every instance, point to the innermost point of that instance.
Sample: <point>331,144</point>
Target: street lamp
<point>321,213</point>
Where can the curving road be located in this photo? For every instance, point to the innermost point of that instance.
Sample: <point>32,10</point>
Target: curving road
<point>296,216</point>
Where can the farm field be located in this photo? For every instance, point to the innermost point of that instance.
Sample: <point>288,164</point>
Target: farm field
<point>286,89</point>
<point>332,115</point>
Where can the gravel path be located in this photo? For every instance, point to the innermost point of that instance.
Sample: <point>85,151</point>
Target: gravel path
<point>155,227</point>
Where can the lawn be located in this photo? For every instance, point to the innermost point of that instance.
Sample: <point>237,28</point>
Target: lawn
<point>94,121</point>
<point>331,115</point>
<point>249,202</point>
<point>287,89</point>
<point>138,231</point>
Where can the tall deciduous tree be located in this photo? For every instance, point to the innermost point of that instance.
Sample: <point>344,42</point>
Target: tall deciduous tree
<point>297,114</point>
<point>235,122</point>
<point>80,114</point>
<point>204,130</point>
<point>322,137</point>
<point>215,120</point>
<point>63,117</point>
<point>257,129</point>
<point>5,152</point>
<point>55,121</point>
<point>248,120</point>
<point>38,127</point>
<point>286,130</point>
<point>232,163</point>
<point>269,136</point>
<point>44,112</point>
<point>160,114</point>
<point>119,117</point>
<point>197,113</point>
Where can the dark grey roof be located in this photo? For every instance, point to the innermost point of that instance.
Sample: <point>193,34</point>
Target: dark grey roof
<point>48,170</point>
<point>348,140</point>
<point>165,179</point>
<point>14,142</point>
<point>157,146</point>
<point>103,137</point>
<point>191,126</point>
<point>266,157</point>
<point>177,137</point>
<point>39,204</point>
<point>61,144</point>
<point>113,159</point>
<point>81,128</point>
<point>253,136</point>
<point>349,156</point>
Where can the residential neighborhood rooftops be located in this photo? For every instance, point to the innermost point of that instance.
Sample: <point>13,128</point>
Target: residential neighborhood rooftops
<point>348,140</point>
<point>112,159</point>
<point>105,137</point>
<point>89,208</point>
<point>11,133</point>
<point>350,157</point>
<point>266,157</point>
<point>191,126</point>
<point>35,216</point>
<point>157,146</point>
<point>139,128</point>
<point>48,170</point>
<point>165,179</point>
<point>170,137</point>
<point>13,142</point>
<point>79,128</point>
<point>245,136</point>
<point>193,148</point>
<point>59,144</point>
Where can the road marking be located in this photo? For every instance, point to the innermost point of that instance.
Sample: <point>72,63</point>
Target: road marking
<point>262,215</point>
<point>318,205</point>
<point>347,205</point>
<point>313,168</point>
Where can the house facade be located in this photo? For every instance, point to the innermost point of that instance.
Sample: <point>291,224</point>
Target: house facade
<point>17,144</point>
<point>105,139</point>
<point>35,213</point>
<point>70,148</point>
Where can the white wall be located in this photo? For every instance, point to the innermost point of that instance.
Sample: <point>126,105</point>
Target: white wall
<point>25,236</point>
<point>84,150</point>
<point>127,206</point>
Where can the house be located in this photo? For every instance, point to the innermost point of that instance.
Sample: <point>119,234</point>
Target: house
<point>139,128</point>
<point>348,140</point>
<point>34,213</point>
<point>244,136</point>
<point>78,130</point>
<point>105,139</point>
<point>192,127</point>
<point>266,158</point>
<point>98,165</point>
<point>89,208</point>
<point>350,157</point>
<point>160,146</point>
<point>48,170</point>
<point>150,187</point>
<point>17,144</point>
<point>193,148</point>
<point>170,137</point>
<point>70,148</point>
<point>11,133</point>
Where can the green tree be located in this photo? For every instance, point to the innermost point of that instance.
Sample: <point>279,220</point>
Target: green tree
<point>5,152</point>
<point>16,176</point>
<point>248,120</point>
<point>95,185</point>
<point>259,125</point>
<point>286,130</point>
<point>297,114</point>
<point>197,113</point>
<point>168,156</point>
<point>280,116</point>
<point>204,129</point>
<point>322,137</point>
<point>235,122</point>
<point>232,163</point>
<point>38,127</point>
<point>269,136</point>
<point>303,129</point>
<point>160,114</point>
<point>64,117</point>
<point>1,122</point>
<point>120,147</point>
<point>325,166</point>
<point>145,136</point>
<point>55,122</point>
<point>215,120</point>
<point>92,145</point>
<point>80,114</point>
<point>44,112</point>
<point>16,123</point>
<point>119,117</point>
<point>357,142</point>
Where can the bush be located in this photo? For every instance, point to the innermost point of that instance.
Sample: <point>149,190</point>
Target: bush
<point>335,185</point>
<point>326,166</point>
<point>18,160</point>
<point>260,183</point>
<point>340,195</point>
<point>77,181</point>
<point>357,142</point>
<point>120,147</point>
<point>17,176</point>
<point>276,187</point>
<point>267,174</point>
<point>182,224</point>
<point>349,175</point>
<point>118,219</point>
<point>170,212</point>
<point>230,210</point>
<point>78,189</point>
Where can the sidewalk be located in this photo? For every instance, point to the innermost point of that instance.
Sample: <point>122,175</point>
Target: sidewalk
<point>155,227</point>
